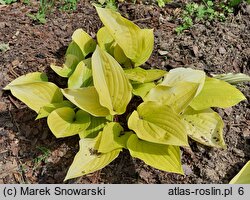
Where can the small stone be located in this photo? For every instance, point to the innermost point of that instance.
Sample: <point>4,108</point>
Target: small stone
<point>239,152</point>
<point>3,106</point>
<point>222,50</point>
<point>228,111</point>
<point>246,133</point>
<point>196,51</point>
<point>2,25</point>
<point>187,170</point>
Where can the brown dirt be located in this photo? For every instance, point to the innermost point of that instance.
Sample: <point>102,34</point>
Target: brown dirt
<point>29,153</point>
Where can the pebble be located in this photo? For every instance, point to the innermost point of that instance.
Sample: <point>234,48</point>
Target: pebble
<point>187,170</point>
<point>239,152</point>
<point>2,25</point>
<point>222,50</point>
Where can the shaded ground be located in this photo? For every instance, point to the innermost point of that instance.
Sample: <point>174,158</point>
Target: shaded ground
<point>29,153</point>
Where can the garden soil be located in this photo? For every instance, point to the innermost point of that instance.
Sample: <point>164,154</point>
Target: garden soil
<point>29,153</point>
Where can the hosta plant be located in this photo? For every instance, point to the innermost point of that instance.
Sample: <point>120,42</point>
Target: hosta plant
<point>243,177</point>
<point>113,104</point>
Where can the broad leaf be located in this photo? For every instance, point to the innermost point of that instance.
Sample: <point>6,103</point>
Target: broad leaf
<point>205,127</point>
<point>142,76</point>
<point>28,78</point>
<point>119,55</point>
<point>88,160</point>
<point>158,123</point>
<point>84,41</point>
<point>87,99</point>
<point>163,157</point>
<point>82,76</point>
<point>96,125</point>
<point>68,67</point>
<point>141,89</point>
<point>75,50</point>
<point>177,75</point>
<point>37,95</point>
<point>105,40</point>
<point>112,138</point>
<point>46,110</point>
<point>137,44</point>
<point>233,78</point>
<point>217,93</point>
<point>243,177</point>
<point>111,84</point>
<point>177,97</point>
<point>64,122</point>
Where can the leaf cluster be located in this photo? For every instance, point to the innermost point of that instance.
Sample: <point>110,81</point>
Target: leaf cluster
<point>47,6</point>
<point>105,78</point>
<point>206,10</point>
<point>3,2</point>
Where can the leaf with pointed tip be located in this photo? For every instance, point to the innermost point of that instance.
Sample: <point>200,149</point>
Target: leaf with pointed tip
<point>111,84</point>
<point>163,157</point>
<point>137,44</point>
<point>112,138</point>
<point>233,78</point>
<point>82,76</point>
<point>105,40</point>
<point>177,75</point>
<point>64,122</point>
<point>88,160</point>
<point>143,76</point>
<point>28,78</point>
<point>96,125</point>
<point>68,67</point>
<point>84,41</point>
<point>87,99</point>
<point>37,94</point>
<point>46,110</point>
<point>217,93</point>
<point>243,177</point>
<point>205,127</point>
<point>141,89</point>
<point>158,123</point>
<point>177,97</point>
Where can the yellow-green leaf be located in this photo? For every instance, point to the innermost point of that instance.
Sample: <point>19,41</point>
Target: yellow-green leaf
<point>177,75</point>
<point>111,84</point>
<point>96,125</point>
<point>46,110</point>
<point>137,44</point>
<point>82,76</point>
<point>141,89</point>
<point>88,160</point>
<point>105,40</point>
<point>75,50</point>
<point>68,67</point>
<point>64,122</point>
<point>243,177</point>
<point>158,123</point>
<point>112,138</point>
<point>142,76</point>
<point>84,41</point>
<point>205,127</point>
<point>28,78</point>
<point>163,157</point>
<point>217,93</point>
<point>233,78</point>
<point>119,55</point>
<point>87,99</point>
<point>37,94</point>
<point>177,97</point>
